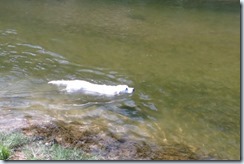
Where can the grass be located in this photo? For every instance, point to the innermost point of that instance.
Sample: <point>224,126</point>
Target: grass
<point>16,142</point>
<point>39,151</point>
<point>13,140</point>
<point>4,153</point>
<point>9,141</point>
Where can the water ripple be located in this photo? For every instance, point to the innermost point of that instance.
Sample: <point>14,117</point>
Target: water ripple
<point>8,32</point>
<point>26,69</point>
<point>29,45</point>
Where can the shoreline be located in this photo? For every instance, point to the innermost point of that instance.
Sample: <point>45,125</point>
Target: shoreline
<point>91,144</point>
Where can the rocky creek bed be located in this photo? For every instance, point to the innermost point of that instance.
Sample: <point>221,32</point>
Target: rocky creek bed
<point>104,145</point>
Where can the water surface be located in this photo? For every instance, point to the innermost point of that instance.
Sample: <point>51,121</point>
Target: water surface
<point>183,58</point>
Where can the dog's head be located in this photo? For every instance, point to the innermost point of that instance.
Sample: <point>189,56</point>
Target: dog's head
<point>123,89</point>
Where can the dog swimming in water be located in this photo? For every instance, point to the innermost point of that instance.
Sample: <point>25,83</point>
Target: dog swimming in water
<point>74,86</point>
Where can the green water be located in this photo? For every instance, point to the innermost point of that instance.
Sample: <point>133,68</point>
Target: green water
<point>182,57</point>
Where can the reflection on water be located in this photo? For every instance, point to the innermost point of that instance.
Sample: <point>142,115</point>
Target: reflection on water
<point>182,57</point>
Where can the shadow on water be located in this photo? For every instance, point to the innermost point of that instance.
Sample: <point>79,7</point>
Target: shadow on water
<point>212,5</point>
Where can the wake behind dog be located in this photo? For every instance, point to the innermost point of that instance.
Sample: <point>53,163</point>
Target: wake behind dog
<point>76,86</point>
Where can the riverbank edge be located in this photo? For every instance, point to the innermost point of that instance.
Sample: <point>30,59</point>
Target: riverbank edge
<point>58,140</point>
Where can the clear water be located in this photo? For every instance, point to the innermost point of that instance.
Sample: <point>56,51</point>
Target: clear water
<point>183,58</point>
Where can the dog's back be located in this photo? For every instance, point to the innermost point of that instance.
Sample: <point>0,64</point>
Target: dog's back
<point>59,82</point>
<point>89,88</point>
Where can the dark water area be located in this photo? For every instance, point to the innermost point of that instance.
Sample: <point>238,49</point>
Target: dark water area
<point>181,56</point>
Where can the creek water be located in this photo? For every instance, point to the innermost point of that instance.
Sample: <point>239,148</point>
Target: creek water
<point>181,56</point>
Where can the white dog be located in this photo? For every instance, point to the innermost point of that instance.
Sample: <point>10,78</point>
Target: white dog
<point>89,88</point>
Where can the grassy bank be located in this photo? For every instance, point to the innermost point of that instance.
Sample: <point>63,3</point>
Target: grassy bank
<point>10,141</point>
<point>17,146</point>
<point>68,141</point>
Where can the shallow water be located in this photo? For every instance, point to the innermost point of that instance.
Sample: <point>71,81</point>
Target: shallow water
<point>182,57</point>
